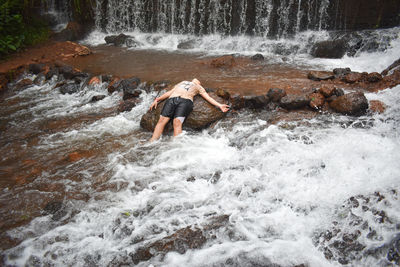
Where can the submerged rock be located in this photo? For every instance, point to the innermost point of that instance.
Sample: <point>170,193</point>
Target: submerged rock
<point>317,76</point>
<point>128,104</point>
<point>203,115</point>
<point>187,44</point>
<point>223,62</point>
<point>69,88</point>
<point>377,106</point>
<point>350,104</point>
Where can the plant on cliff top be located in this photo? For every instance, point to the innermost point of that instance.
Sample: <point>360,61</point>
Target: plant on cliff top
<point>17,27</point>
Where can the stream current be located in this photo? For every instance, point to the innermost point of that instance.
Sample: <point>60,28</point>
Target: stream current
<point>279,186</point>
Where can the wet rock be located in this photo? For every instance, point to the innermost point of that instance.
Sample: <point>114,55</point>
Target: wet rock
<point>52,207</point>
<point>330,49</point>
<point>203,114</point>
<point>393,254</point>
<point>52,71</point>
<point>121,40</point>
<point>187,44</point>
<point>294,101</point>
<point>340,72</point>
<point>276,94</point>
<point>338,92</point>
<point>23,84</point>
<point>377,106</point>
<point>94,80</point>
<point>236,101</point>
<point>374,77</point>
<point>181,241</point>
<point>112,87</point>
<point>128,87</point>
<point>97,98</point>
<point>350,104</point>
<point>317,100</point>
<point>257,57</point>
<point>318,76</point>
<point>106,78</point>
<point>69,88</point>
<point>3,82</point>
<point>223,62</point>
<point>256,102</point>
<point>39,79</point>
<point>36,68</point>
<point>160,85</point>
<point>352,77</point>
<point>223,94</point>
<point>394,66</point>
<point>128,104</point>
<point>327,91</point>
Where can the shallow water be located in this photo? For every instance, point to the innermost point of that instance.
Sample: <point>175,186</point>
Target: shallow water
<point>280,185</point>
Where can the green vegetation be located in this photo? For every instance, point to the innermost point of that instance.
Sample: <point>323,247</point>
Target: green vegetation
<point>18,27</point>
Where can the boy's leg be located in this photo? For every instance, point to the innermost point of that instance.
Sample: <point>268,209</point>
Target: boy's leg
<point>177,123</point>
<point>158,130</point>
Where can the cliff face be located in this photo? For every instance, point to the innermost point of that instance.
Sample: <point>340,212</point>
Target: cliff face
<point>364,14</point>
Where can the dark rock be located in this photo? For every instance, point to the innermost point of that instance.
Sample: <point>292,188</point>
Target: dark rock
<point>23,84</point>
<point>181,241</point>
<point>350,104</point>
<point>317,76</point>
<point>52,207</point>
<point>294,101</point>
<point>131,94</point>
<point>128,87</point>
<point>112,87</point>
<point>352,77</point>
<point>223,62</point>
<point>203,114</point>
<point>394,66</point>
<point>106,78</point>
<point>128,104</point>
<point>340,72</point>
<point>338,92</point>
<point>37,68</point>
<point>393,254</point>
<point>187,44</point>
<point>52,71</point>
<point>69,88</point>
<point>255,102</point>
<point>317,100</point>
<point>223,94</point>
<point>330,49</point>
<point>39,79</point>
<point>3,82</point>
<point>374,77</point>
<point>276,94</point>
<point>121,40</point>
<point>237,101</point>
<point>257,57</point>
<point>97,98</point>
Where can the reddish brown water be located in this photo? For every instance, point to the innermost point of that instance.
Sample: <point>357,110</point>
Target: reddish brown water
<point>246,77</point>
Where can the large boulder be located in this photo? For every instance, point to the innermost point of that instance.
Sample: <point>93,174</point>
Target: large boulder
<point>350,104</point>
<point>330,49</point>
<point>203,115</point>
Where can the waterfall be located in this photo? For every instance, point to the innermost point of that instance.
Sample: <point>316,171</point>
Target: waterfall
<point>57,12</point>
<point>270,18</point>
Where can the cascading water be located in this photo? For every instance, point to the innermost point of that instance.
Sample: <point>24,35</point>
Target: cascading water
<point>259,17</point>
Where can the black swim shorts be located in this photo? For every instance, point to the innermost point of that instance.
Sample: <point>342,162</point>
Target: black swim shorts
<point>177,107</point>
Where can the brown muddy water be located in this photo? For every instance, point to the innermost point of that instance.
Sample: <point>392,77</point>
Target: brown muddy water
<point>246,76</point>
